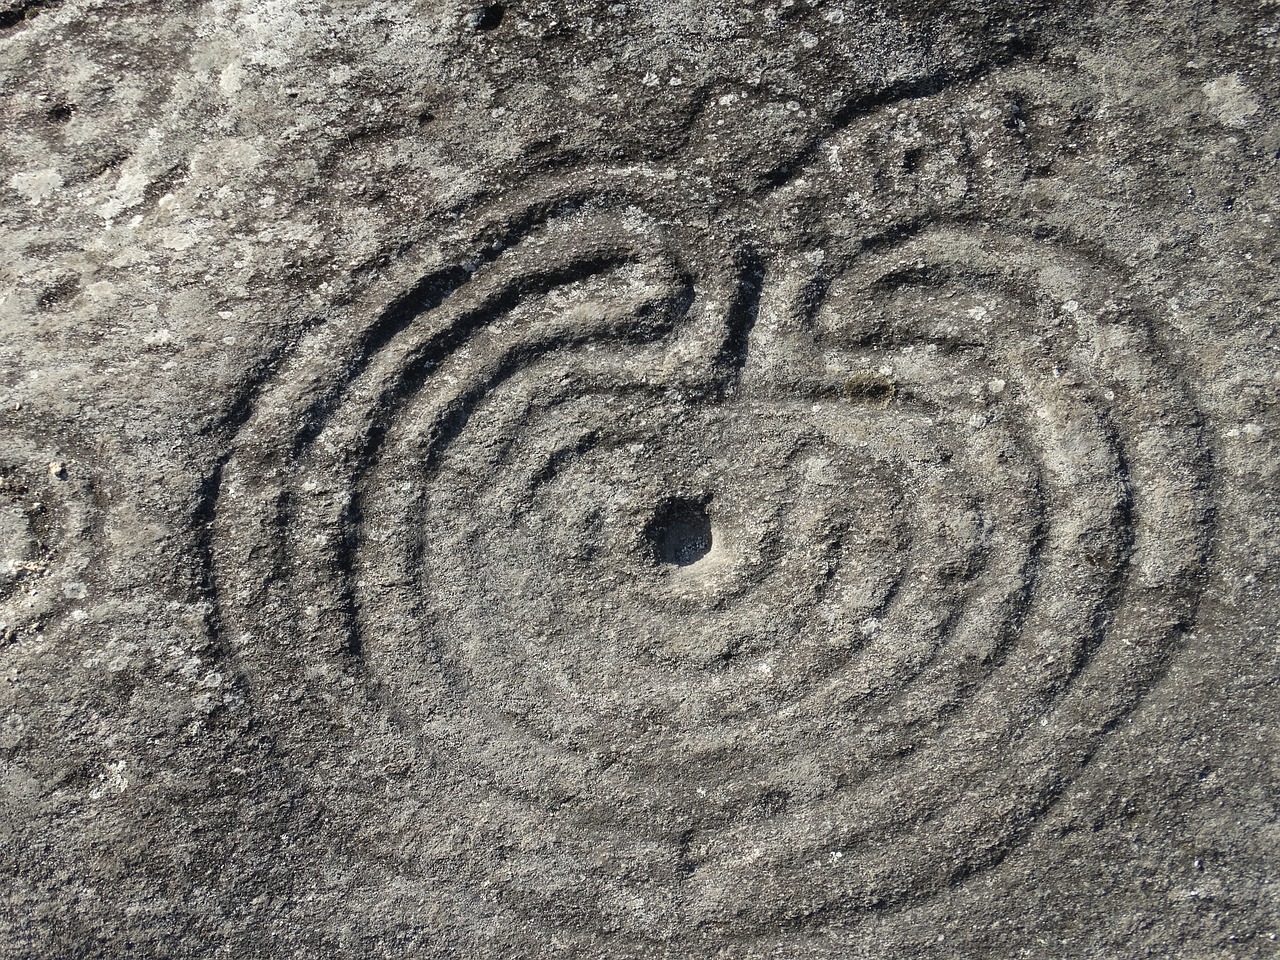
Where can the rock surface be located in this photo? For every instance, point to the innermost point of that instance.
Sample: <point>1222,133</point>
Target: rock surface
<point>639,479</point>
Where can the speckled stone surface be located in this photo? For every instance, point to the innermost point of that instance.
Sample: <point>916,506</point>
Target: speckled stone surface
<point>638,480</point>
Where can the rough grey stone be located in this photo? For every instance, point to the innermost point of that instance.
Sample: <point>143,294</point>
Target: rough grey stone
<point>638,479</point>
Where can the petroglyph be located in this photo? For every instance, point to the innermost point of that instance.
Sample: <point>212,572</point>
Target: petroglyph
<point>638,479</point>
<point>726,555</point>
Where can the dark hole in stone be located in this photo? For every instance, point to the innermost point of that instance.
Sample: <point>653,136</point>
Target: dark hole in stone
<point>60,113</point>
<point>488,17</point>
<point>680,532</point>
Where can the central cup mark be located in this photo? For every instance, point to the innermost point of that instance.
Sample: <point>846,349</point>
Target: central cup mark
<point>680,532</point>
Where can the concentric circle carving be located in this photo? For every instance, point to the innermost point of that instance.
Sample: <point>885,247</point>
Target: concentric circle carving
<point>726,580</point>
